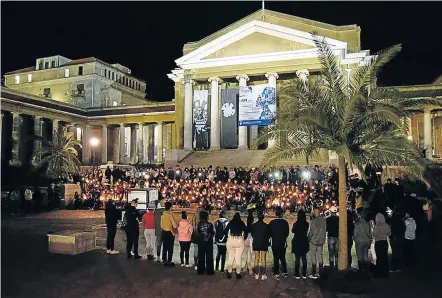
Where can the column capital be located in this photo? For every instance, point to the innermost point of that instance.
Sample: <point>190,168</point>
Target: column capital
<point>302,74</point>
<point>215,79</point>
<point>16,113</point>
<point>103,125</point>
<point>243,76</point>
<point>188,81</point>
<point>122,124</point>
<point>160,122</point>
<point>428,110</point>
<point>272,74</point>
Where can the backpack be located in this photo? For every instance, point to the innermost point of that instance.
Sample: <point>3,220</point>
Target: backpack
<point>219,230</point>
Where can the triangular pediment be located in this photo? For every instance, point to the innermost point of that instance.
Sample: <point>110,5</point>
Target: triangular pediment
<point>258,43</point>
<point>256,38</point>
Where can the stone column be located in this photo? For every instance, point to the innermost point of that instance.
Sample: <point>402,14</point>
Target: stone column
<point>242,130</point>
<point>427,133</point>
<point>38,132</point>
<point>141,140</point>
<point>86,150</point>
<point>169,136</point>
<point>122,141</point>
<point>188,97</point>
<point>133,144</point>
<point>104,143</point>
<point>215,119</point>
<point>160,143</point>
<point>150,146</point>
<point>272,81</point>
<point>16,139</point>
<point>55,127</point>
<point>145,144</point>
<point>409,129</point>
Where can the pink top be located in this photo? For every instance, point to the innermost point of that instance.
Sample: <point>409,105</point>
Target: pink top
<point>185,229</point>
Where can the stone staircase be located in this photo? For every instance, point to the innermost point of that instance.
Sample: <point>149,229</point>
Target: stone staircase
<point>237,158</point>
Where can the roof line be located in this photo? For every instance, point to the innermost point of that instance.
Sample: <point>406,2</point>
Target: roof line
<point>278,14</point>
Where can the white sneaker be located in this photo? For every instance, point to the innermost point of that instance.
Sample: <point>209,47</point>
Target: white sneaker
<point>264,277</point>
<point>257,276</point>
<point>182,265</point>
<point>196,267</point>
<point>108,251</point>
<point>114,252</point>
<point>188,266</point>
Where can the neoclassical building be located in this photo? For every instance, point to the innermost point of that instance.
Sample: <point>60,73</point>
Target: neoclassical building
<point>200,125</point>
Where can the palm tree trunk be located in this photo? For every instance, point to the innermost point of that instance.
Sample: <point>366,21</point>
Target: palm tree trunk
<point>342,256</point>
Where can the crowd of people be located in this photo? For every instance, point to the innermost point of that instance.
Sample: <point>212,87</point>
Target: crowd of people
<point>254,238</point>
<point>219,188</point>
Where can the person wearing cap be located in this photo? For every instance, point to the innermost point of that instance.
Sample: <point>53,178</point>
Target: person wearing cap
<point>132,218</point>
<point>261,242</point>
<point>279,231</point>
<point>111,218</point>
<point>316,236</point>
<point>169,226</point>
<point>221,240</point>
<point>148,222</point>
<point>333,237</point>
<point>185,230</point>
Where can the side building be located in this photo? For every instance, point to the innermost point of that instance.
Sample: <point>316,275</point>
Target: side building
<point>85,83</point>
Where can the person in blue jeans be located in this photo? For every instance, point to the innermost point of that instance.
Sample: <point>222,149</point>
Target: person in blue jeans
<point>333,236</point>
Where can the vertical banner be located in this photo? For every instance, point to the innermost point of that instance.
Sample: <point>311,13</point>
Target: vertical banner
<point>200,119</point>
<point>257,105</point>
<point>229,118</point>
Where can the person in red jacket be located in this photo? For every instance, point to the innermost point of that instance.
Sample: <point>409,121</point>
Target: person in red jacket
<point>148,222</point>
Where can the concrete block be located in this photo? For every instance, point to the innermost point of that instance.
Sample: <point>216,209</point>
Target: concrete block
<point>71,242</point>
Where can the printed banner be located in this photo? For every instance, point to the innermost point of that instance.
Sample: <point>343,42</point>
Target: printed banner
<point>257,105</point>
<point>200,119</point>
<point>229,118</point>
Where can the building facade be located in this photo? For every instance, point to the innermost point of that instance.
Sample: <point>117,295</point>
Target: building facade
<point>85,83</point>
<point>95,99</point>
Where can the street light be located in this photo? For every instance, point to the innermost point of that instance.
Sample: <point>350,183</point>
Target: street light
<point>94,143</point>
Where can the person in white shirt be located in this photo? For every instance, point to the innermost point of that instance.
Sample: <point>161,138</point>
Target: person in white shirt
<point>409,242</point>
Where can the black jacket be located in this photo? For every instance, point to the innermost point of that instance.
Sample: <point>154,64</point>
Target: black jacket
<point>235,230</point>
<point>205,231</point>
<point>111,214</point>
<point>333,226</point>
<point>260,235</point>
<point>300,243</point>
<point>279,231</point>
<point>133,217</point>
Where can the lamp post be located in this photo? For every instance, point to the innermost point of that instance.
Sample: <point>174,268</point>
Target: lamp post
<point>94,143</point>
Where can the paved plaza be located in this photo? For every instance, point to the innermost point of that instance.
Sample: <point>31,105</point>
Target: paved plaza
<point>28,270</point>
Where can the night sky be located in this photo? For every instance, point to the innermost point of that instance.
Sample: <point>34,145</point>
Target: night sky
<point>148,36</point>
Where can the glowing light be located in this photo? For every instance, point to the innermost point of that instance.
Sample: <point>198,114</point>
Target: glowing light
<point>94,142</point>
<point>306,175</point>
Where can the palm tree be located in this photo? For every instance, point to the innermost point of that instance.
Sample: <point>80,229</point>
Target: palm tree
<point>347,114</point>
<point>59,157</point>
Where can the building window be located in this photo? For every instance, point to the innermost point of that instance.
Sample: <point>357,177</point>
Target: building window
<point>46,65</point>
<point>80,88</point>
<point>17,79</point>
<point>113,76</point>
<point>47,92</point>
<point>80,70</point>
<point>66,73</point>
<point>126,82</point>
<point>114,103</point>
<point>79,134</point>
<point>105,73</point>
<point>53,64</point>
<point>29,77</point>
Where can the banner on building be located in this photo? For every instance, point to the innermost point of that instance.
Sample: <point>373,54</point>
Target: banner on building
<point>200,119</point>
<point>257,105</point>
<point>229,118</point>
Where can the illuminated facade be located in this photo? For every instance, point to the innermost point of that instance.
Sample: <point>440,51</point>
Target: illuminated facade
<point>264,47</point>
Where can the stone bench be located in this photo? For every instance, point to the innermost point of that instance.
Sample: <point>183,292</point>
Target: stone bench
<point>71,242</point>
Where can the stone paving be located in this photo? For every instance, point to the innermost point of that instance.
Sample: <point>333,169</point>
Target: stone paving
<point>28,270</point>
